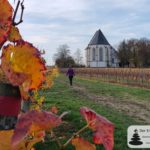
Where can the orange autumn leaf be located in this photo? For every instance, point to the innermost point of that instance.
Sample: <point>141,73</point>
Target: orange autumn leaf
<point>24,93</point>
<point>25,60</point>
<point>33,122</point>
<point>28,143</point>
<point>103,129</point>
<point>5,138</point>
<point>5,141</point>
<point>5,20</point>
<point>48,81</point>
<point>50,74</point>
<point>32,142</point>
<point>14,35</point>
<point>3,78</point>
<point>81,144</point>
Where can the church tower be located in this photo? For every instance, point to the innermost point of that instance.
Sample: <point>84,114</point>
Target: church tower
<point>99,53</point>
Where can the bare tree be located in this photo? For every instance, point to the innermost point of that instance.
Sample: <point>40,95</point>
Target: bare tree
<point>123,54</point>
<point>78,57</point>
<point>62,58</point>
<point>63,52</point>
<point>135,52</point>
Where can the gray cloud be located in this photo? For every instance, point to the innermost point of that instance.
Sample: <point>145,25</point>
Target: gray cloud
<point>49,23</point>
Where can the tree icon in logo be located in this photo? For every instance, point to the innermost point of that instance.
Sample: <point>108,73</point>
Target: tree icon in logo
<point>135,140</point>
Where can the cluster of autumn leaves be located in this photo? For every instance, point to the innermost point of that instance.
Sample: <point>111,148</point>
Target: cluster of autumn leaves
<point>36,122</point>
<point>21,61</point>
<point>24,66</point>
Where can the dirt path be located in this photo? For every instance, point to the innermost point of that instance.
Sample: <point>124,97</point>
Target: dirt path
<point>139,110</point>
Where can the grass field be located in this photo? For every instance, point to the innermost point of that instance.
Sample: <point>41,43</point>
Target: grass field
<point>122,105</point>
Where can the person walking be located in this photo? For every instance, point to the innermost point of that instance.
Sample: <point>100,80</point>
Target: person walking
<point>70,73</point>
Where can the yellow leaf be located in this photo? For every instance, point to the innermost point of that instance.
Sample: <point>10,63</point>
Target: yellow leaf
<point>16,78</point>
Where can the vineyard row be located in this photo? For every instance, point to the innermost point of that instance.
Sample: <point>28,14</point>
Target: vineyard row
<point>130,76</point>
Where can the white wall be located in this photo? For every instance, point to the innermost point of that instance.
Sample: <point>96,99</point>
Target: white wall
<point>97,63</point>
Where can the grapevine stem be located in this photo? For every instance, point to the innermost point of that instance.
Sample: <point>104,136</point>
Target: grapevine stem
<point>74,135</point>
<point>15,13</point>
<point>56,139</point>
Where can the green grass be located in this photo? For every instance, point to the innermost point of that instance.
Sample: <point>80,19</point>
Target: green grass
<point>118,91</point>
<point>67,99</point>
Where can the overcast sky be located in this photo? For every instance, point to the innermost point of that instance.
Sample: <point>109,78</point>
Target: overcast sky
<point>50,23</point>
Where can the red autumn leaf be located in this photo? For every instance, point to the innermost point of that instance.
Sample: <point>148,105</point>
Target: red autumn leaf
<point>32,122</point>
<point>97,138</point>
<point>5,20</point>
<point>40,134</point>
<point>81,144</point>
<point>24,60</point>
<point>14,35</point>
<point>54,109</point>
<point>89,116</point>
<point>103,128</point>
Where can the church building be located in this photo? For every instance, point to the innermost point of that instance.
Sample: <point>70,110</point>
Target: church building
<point>99,53</point>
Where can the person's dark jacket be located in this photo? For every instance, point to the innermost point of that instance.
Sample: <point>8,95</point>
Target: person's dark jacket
<point>70,72</point>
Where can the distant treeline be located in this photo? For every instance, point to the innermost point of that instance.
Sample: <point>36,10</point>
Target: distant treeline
<point>134,53</point>
<point>130,53</point>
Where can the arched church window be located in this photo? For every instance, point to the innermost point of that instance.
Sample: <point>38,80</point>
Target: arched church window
<point>94,54</point>
<point>101,54</point>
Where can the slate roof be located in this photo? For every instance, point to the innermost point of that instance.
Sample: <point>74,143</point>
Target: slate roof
<point>99,39</point>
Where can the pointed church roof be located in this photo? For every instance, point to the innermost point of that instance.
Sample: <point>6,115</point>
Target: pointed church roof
<point>99,39</point>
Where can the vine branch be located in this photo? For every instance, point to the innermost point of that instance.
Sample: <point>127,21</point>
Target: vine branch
<point>16,11</point>
<point>56,139</point>
<point>74,135</point>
